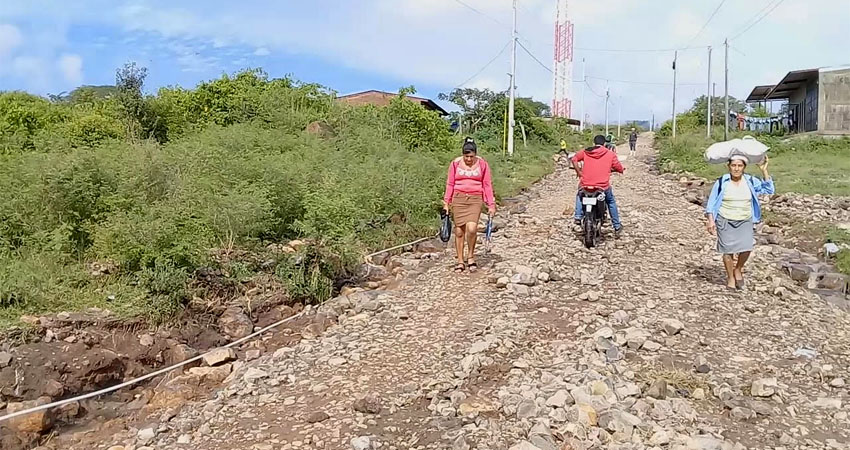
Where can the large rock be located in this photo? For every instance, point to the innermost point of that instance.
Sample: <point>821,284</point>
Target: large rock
<point>362,443</point>
<point>519,290</point>
<point>5,359</point>
<point>526,409</point>
<point>672,326</point>
<point>235,323</point>
<point>524,279</point>
<point>525,445</point>
<point>561,399</point>
<point>179,353</point>
<point>219,356</point>
<point>658,389</point>
<point>583,414</point>
<point>764,387</point>
<point>213,374</point>
<point>372,272</point>
<point>368,404</point>
<point>36,422</point>
<point>617,421</point>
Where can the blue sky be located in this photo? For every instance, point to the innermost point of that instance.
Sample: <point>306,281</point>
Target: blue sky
<point>351,45</point>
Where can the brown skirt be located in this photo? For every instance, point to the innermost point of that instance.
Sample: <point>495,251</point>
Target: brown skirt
<point>466,208</point>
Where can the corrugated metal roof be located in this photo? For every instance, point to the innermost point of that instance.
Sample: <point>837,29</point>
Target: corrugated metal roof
<point>760,93</point>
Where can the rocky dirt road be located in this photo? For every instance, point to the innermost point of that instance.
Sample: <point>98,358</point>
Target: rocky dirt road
<point>635,345</point>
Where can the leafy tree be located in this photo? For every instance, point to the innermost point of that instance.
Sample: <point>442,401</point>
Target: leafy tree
<point>475,105</point>
<point>129,80</point>
<point>717,108</point>
<point>539,109</point>
<point>759,111</point>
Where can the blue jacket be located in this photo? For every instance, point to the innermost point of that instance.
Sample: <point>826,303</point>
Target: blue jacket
<point>757,187</point>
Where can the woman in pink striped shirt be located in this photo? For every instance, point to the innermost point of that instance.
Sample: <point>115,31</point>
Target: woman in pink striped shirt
<point>468,187</point>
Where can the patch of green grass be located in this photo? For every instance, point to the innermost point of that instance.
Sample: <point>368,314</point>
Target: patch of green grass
<point>805,165</point>
<point>841,237</point>
<point>39,284</point>
<point>513,174</point>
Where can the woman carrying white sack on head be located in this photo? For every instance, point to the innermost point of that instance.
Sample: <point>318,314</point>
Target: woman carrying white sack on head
<point>733,210</point>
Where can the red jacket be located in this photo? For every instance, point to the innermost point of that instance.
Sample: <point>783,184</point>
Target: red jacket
<point>598,164</point>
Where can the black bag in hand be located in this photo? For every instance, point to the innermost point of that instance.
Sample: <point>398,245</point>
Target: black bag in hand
<point>446,227</point>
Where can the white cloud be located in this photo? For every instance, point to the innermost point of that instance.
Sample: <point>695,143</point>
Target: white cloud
<point>10,39</point>
<point>684,25</point>
<point>71,67</point>
<point>33,69</point>
<point>262,51</point>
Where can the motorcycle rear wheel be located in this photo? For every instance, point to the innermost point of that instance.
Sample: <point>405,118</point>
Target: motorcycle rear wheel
<point>589,228</point>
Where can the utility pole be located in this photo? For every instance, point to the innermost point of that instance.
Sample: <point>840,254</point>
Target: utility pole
<point>726,114</point>
<point>513,87</point>
<point>675,58</point>
<point>607,96</point>
<point>652,124</point>
<point>583,87</point>
<point>708,94</point>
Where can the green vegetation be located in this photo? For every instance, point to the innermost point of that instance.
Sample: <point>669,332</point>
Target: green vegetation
<point>804,164</point>
<point>160,186</point>
<point>840,237</point>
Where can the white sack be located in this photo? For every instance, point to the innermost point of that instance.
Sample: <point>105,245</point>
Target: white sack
<point>748,147</point>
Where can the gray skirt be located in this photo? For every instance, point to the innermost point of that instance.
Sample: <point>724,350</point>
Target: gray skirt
<point>734,236</point>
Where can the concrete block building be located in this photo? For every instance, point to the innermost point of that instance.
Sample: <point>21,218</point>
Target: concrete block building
<point>818,100</point>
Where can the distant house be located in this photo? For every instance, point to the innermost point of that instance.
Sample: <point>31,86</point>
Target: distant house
<point>818,100</point>
<point>381,98</point>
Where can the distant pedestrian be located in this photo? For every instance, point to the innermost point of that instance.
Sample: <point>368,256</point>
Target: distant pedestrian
<point>469,186</point>
<point>732,211</point>
<point>633,137</point>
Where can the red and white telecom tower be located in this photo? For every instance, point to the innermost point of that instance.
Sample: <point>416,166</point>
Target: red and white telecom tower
<point>563,66</point>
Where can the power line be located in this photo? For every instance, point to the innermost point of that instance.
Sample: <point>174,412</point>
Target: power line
<point>706,23</point>
<point>628,50</point>
<point>775,5</point>
<point>486,65</point>
<point>472,8</point>
<point>652,83</point>
<point>601,78</point>
<point>592,91</point>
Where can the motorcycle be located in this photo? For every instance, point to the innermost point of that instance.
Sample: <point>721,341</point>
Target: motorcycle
<point>595,214</point>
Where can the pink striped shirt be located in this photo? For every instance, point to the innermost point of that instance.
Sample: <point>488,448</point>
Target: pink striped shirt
<point>472,181</point>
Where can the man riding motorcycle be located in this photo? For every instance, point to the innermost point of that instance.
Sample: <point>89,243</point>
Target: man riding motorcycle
<point>599,161</point>
<point>609,142</point>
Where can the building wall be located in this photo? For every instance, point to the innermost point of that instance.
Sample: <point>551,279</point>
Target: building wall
<point>834,102</point>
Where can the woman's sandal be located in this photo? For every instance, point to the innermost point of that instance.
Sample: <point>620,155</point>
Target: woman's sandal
<point>739,284</point>
<point>459,268</point>
<point>472,266</point>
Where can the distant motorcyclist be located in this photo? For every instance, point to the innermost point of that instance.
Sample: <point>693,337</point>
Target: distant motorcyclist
<point>599,161</point>
<point>609,142</point>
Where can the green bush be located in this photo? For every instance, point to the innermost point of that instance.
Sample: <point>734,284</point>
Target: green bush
<point>167,290</point>
<point>164,234</point>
